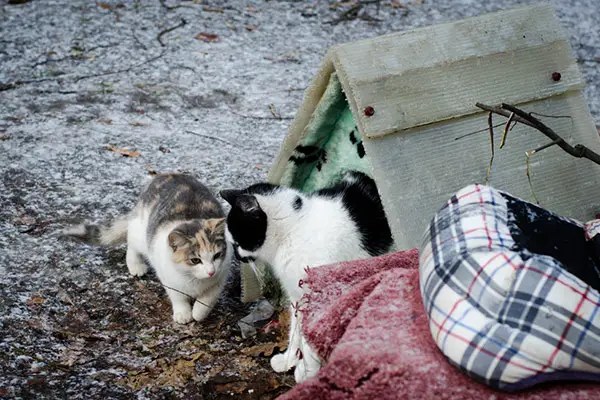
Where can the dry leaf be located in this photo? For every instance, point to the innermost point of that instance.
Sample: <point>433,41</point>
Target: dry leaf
<point>106,121</point>
<point>212,9</point>
<point>35,299</point>
<point>343,4</point>
<point>4,137</point>
<point>136,123</point>
<point>107,6</point>
<point>125,152</point>
<point>251,27</point>
<point>265,349</point>
<point>24,219</point>
<point>397,4</point>
<point>275,114</point>
<point>232,387</point>
<point>207,37</point>
<point>252,9</point>
<point>150,170</point>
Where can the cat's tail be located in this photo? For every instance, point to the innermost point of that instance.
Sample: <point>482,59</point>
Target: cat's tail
<point>112,234</point>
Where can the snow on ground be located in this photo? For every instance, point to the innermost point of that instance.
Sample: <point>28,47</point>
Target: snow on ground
<point>77,76</point>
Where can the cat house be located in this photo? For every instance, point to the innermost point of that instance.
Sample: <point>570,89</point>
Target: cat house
<point>401,107</point>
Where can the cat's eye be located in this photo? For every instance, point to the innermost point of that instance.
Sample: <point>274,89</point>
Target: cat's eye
<point>217,256</point>
<point>195,261</point>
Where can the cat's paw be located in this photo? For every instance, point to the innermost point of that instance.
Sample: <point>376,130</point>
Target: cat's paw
<point>135,263</point>
<point>300,372</point>
<point>279,362</point>
<point>182,316</point>
<point>138,269</point>
<point>200,311</point>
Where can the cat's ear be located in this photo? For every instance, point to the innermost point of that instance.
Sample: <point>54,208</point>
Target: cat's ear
<point>178,239</point>
<point>230,195</point>
<point>216,224</point>
<point>247,203</point>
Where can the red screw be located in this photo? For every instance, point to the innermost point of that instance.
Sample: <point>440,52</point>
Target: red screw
<point>369,111</point>
<point>556,76</point>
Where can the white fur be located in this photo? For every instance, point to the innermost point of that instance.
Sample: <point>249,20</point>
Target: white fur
<point>320,233</point>
<point>183,283</point>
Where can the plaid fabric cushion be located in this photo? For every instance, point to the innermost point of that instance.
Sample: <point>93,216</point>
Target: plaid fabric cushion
<point>511,291</point>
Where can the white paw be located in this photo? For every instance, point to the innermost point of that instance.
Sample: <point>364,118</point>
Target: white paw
<point>200,311</point>
<point>182,316</point>
<point>279,362</point>
<point>300,372</point>
<point>138,270</point>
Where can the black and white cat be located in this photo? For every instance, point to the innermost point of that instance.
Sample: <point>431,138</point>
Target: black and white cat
<point>291,230</point>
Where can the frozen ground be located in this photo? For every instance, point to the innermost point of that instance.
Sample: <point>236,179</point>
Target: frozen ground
<point>77,76</point>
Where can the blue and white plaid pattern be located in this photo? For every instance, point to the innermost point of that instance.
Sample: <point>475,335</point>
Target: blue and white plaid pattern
<point>505,318</point>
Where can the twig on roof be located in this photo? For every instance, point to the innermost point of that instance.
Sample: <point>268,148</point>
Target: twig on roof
<point>578,151</point>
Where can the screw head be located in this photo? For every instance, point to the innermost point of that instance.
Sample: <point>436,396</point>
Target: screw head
<point>369,111</point>
<point>556,76</point>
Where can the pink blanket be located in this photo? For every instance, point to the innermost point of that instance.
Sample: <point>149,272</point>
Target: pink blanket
<point>366,319</point>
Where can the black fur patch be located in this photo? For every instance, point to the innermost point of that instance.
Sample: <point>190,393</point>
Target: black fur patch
<point>297,203</point>
<point>361,200</point>
<point>248,229</point>
<point>352,138</point>
<point>360,149</point>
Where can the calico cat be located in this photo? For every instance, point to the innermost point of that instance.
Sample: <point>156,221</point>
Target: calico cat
<point>179,227</point>
<point>290,231</point>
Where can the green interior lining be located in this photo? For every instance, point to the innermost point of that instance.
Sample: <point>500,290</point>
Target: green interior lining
<point>329,146</point>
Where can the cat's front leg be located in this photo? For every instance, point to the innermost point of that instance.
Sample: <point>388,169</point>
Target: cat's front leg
<point>205,302</point>
<point>182,309</point>
<point>285,361</point>
<point>308,362</point>
<point>135,263</point>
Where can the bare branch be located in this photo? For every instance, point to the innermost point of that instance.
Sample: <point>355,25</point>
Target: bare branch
<point>579,151</point>
<point>491,129</point>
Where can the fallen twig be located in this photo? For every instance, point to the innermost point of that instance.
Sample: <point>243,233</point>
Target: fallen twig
<point>210,137</point>
<point>38,359</point>
<point>152,59</point>
<point>259,117</point>
<point>165,31</point>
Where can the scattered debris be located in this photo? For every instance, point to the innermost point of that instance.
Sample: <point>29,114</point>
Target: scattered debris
<point>36,300</point>
<point>163,149</point>
<point>150,170</point>
<point>213,9</point>
<point>290,56</point>
<point>263,310</point>
<point>106,121</point>
<point>207,37</point>
<point>251,28</point>
<point>4,137</point>
<point>137,123</point>
<point>111,7</point>
<point>124,152</point>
